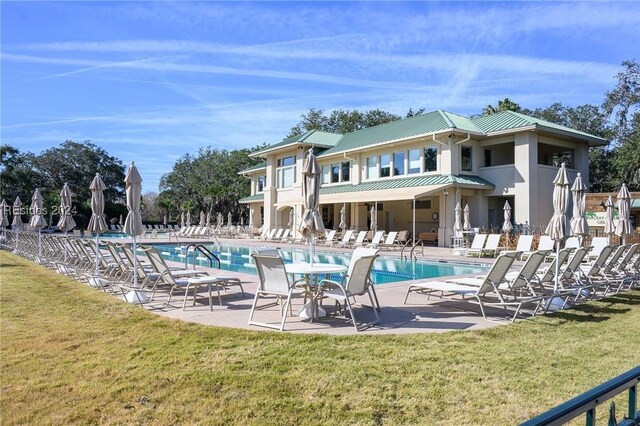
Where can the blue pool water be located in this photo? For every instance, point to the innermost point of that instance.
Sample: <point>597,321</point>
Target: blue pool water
<point>385,270</point>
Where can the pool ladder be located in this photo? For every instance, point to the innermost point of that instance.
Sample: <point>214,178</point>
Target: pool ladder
<point>202,250</point>
<point>414,245</point>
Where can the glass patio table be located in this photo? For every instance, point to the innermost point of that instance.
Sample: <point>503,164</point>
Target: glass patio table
<point>311,272</point>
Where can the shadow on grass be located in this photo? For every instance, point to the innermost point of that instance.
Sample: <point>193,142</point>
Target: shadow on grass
<point>601,310</point>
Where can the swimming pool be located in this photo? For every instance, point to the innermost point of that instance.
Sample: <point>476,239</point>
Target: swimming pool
<point>385,270</point>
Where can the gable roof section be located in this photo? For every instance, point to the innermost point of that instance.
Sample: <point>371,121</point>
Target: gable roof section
<point>509,120</point>
<point>412,127</point>
<point>312,137</point>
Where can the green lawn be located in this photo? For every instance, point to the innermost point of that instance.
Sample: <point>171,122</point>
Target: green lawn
<point>72,354</point>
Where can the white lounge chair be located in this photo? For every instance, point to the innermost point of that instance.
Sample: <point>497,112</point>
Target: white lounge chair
<point>572,242</point>
<point>524,245</point>
<point>390,241</point>
<point>346,238</point>
<point>360,239</point>
<point>376,240</point>
<point>330,238</point>
<point>476,245</point>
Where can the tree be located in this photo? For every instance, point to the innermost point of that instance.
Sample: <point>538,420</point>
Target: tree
<point>208,181</point>
<point>504,105</point>
<point>624,99</point>
<point>343,121</point>
<point>626,158</point>
<point>18,177</point>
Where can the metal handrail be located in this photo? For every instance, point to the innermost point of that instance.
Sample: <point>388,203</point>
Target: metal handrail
<point>587,402</point>
<point>410,241</point>
<point>203,250</point>
<point>419,242</point>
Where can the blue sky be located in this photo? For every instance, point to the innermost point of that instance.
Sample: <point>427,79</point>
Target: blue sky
<point>152,81</point>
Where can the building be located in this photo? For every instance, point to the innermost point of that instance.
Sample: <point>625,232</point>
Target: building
<point>595,210</point>
<point>417,169</point>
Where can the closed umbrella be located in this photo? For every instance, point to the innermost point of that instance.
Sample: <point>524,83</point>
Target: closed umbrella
<point>466,226</point>
<point>133,223</point>
<point>16,223</point>
<point>507,226</point>
<point>290,224</point>
<point>182,220</point>
<point>120,222</point>
<point>609,224</point>
<point>229,220</point>
<point>251,219</point>
<point>311,224</point>
<point>219,220</point>
<point>457,228</point>
<point>37,219</point>
<point>343,218</point>
<point>188,218</point>
<point>97,223</point>
<point>557,228</point>
<point>203,219</point>
<point>4,220</point>
<point>623,227</point>
<point>165,221</point>
<point>579,225</point>
<point>66,222</point>
<point>373,218</point>
<point>208,221</point>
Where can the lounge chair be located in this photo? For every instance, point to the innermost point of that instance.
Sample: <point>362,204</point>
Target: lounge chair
<point>330,238</point>
<point>346,238</point>
<point>489,293</point>
<point>546,243</point>
<point>476,245</point>
<point>390,241</point>
<point>360,239</point>
<point>572,242</point>
<point>525,242</point>
<point>598,243</point>
<point>285,235</point>
<point>376,240</point>
<point>356,283</point>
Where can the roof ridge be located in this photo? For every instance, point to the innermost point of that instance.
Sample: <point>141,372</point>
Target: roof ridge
<point>445,115</point>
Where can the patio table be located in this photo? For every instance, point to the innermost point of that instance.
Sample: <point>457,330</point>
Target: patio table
<point>311,271</point>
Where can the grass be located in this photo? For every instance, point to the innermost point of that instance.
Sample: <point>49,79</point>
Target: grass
<point>71,354</point>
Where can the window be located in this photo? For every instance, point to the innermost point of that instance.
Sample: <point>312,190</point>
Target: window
<point>398,163</point>
<point>414,161</point>
<point>326,174</point>
<point>431,158</point>
<point>286,171</point>
<point>465,159</point>
<point>487,158</point>
<point>346,171</point>
<point>385,165</point>
<point>262,180</point>
<point>335,173</point>
<point>372,167</point>
<point>562,157</point>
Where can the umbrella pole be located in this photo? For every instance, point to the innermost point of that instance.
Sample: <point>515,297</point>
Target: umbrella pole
<point>97,254</point>
<point>557,283</point>
<point>39,244</point>
<point>312,246</point>
<point>135,264</point>
<point>65,246</point>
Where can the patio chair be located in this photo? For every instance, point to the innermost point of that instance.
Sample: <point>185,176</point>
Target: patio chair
<point>356,283</point>
<point>346,238</point>
<point>525,242</point>
<point>546,243</point>
<point>476,245</point>
<point>598,243</point>
<point>488,294</point>
<point>274,281</point>
<point>285,235</point>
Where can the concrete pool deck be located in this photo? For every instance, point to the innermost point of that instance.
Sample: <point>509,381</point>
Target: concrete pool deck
<point>418,316</point>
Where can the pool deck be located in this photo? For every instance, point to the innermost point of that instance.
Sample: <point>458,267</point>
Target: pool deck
<point>418,316</point>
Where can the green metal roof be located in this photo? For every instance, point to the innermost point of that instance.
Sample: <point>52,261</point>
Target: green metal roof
<point>424,124</point>
<point>252,199</point>
<point>408,183</point>
<point>259,166</point>
<point>635,203</point>
<point>507,120</point>
<point>312,137</point>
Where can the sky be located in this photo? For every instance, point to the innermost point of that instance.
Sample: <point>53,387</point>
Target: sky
<point>152,81</point>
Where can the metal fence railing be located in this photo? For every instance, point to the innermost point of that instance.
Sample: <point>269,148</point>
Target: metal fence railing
<point>587,402</point>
